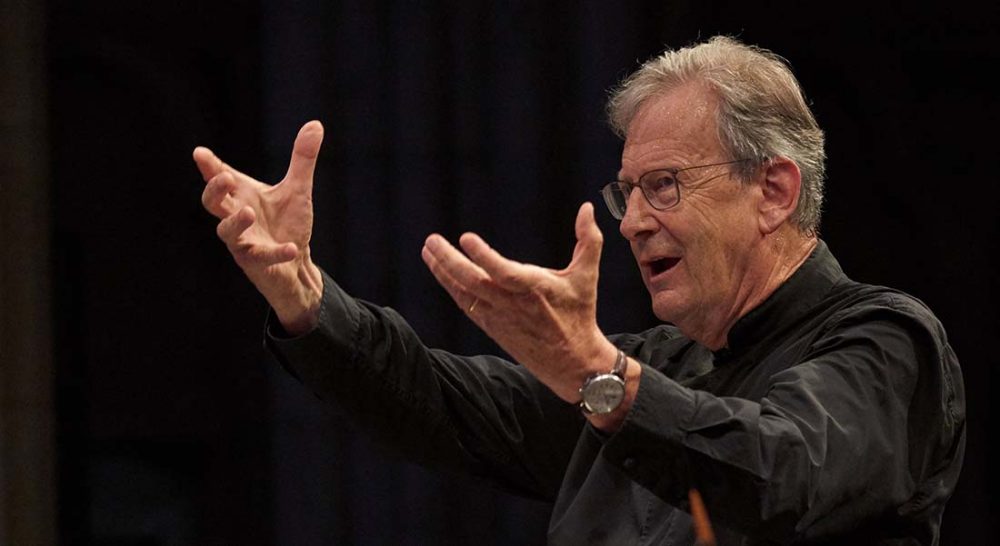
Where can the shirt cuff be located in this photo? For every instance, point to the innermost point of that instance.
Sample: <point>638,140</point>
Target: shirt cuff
<point>649,445</point>
<point>329,346</point>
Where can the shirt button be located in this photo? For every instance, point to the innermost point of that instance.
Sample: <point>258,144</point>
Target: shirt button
<point>629,463</point>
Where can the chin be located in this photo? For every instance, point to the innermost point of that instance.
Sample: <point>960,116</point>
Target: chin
<point>666,308</point>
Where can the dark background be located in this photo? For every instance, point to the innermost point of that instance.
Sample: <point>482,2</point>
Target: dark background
<point>174,425</point>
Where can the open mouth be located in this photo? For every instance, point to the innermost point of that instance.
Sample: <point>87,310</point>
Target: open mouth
<point>661,265</point>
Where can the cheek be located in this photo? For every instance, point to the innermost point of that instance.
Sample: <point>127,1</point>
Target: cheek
<point>706,267</point>
<point>713,251</point>
<point>730,253</point>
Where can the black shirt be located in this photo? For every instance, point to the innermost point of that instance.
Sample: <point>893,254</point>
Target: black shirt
<point>835,414</point>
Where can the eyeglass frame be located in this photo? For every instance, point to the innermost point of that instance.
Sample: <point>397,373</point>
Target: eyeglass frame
<point>616,186</point>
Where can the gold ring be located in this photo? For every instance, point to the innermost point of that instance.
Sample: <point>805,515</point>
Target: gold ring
<point>473,306</point>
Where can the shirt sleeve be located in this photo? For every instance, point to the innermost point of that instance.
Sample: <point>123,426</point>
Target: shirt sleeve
<point>477,415</point>
<point>870,422</point>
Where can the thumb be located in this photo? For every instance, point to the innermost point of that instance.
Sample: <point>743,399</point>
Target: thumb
<point>304,154</point>
<point>589,239</point>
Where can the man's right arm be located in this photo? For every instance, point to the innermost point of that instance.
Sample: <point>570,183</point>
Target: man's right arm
<point>478,415</point>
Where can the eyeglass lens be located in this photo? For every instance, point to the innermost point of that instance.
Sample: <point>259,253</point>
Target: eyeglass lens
<point>659,189</point>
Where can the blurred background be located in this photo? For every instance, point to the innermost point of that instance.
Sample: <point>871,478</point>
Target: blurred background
<point>138,405</point>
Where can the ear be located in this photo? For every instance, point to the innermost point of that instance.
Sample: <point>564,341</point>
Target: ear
<point>780,187</point>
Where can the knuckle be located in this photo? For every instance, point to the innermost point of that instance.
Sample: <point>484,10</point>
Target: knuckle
<point>538,295</point>
<point>509,278</point>
<point>482,284</point>
<point>207,194</point>
<point>222,229</point>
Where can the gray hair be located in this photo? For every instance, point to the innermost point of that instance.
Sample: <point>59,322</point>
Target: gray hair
<point>762,112</point>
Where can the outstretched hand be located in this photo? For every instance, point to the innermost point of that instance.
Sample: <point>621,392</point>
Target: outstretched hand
<point>267,228</point>
<point>545,319</point>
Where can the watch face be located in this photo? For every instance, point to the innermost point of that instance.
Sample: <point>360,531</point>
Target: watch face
<point>604,393</point>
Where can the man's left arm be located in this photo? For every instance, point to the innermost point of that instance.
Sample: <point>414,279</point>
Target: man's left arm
<point>827,446</point>
<point>863,436</point>
<point>545,319</point>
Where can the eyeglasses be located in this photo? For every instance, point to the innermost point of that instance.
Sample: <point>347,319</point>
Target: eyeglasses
<point>662,188</point>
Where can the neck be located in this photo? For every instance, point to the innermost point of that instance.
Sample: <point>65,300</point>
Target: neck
<point>777,257</point>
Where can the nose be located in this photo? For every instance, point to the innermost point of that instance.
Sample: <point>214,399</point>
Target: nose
<point>638,222</point>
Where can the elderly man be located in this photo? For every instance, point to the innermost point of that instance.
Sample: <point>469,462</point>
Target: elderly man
<point>805,407</point>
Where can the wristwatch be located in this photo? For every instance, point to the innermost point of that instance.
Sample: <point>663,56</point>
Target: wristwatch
<point>603,392</point>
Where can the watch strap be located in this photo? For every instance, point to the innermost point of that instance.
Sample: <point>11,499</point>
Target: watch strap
<point>621,364</point>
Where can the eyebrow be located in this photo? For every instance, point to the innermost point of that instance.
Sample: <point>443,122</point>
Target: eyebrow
<point>671,169</point>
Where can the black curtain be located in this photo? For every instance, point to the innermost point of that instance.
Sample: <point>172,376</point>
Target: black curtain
<point>177,428</point>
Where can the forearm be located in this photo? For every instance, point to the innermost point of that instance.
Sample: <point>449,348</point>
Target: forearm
<point>476,415</point>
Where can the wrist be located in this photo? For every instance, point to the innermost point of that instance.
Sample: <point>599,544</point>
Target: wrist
<point>604,391</point>
<point>611,422</point>
<point>298,307</point>
<point>581,364</point>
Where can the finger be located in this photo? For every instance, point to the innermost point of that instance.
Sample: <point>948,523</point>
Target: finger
<point>263,255</point>
<point>231,230</point>
<point>216,198</point>
<point>304,154</point>
<point>468,276</point>
<point>209,165</point>
<point>589,239</point>
<point>232,226</point>
<point>510,275</point>
<point>464,299</point>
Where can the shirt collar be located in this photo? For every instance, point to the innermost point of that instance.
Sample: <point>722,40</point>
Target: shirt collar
<point>801,292</point>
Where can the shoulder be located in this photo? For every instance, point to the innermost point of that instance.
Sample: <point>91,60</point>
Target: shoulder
<point>896,327</point>
<point>855,304</point>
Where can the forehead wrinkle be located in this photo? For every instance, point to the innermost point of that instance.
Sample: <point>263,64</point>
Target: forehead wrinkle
<point>682,119</point>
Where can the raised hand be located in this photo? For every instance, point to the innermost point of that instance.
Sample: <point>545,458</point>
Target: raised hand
<point>544,318</point>
<point>268,228</point>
